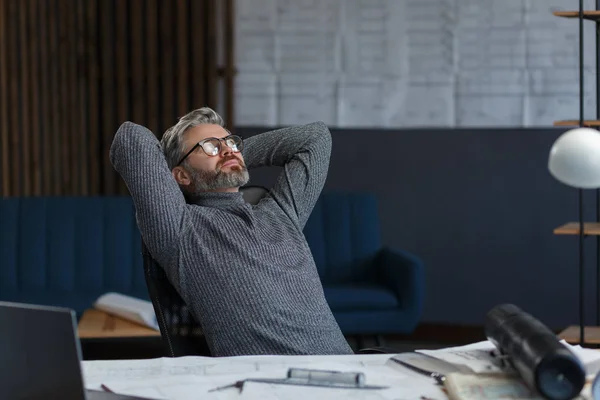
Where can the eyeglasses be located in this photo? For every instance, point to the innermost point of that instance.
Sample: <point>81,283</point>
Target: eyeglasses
<point>212,146</point>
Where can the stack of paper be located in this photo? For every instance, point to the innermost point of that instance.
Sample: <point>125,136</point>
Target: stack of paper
<point>494,387</point>
<point>129,308</point>
<point>590,358</point>
<point>490,378</point>
<point>482,357</point>
<point>478,357</point>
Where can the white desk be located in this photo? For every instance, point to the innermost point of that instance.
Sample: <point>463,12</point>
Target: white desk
<point>191,378</point>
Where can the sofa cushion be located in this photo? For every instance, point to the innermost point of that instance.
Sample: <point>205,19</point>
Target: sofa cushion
<point>359,297</point>
<point>67,251</point>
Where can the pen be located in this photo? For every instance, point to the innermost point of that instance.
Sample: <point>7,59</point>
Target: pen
<point>105,388</point>
<point>439,378</point>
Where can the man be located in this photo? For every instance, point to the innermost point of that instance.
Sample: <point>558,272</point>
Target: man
<point>246,271</point>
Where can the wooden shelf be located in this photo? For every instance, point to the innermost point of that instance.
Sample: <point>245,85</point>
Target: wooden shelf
<point>575,122</point>
<point>571,334</point>
<point>572,228</point>
<point>592,15</point>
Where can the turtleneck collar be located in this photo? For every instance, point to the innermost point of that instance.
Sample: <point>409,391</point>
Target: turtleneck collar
<point>223,200</point>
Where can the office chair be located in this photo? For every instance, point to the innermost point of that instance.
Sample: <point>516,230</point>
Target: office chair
<point>181,334</point>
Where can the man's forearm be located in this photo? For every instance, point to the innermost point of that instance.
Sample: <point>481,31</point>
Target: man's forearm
<point>136,155</point>
<point>303,152</point>
<point>277,147</point>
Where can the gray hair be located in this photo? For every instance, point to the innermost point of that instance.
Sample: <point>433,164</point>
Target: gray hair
<point>172,140</point>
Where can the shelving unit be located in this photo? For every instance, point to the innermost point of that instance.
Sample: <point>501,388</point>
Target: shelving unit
<point>573,122</point>
<point>592,15</point>
<point>573,228</point>
<point>582,229</point>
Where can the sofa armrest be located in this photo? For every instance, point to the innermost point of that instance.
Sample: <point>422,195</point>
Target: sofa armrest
<point>404,274</point>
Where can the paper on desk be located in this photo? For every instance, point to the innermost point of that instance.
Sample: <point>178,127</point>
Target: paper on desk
<point>174,388</point>
<point>589,357</point>
<point>488,387</point>
<point>476,356</point>
<point>99,371</point>
<point>496,387</point>
<point>129,308</point>
<point>407,389</point>
<point>192,386</point>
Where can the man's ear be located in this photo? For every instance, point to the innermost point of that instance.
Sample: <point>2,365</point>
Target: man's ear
<point>181,176</point>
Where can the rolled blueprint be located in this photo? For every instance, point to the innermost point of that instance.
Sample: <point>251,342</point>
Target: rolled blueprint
<point>545,364</point>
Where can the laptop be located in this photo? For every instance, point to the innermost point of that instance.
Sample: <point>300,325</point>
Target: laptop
<point>40,355</point>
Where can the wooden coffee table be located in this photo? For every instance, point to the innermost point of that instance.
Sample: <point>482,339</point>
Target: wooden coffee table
<point>96,324</point>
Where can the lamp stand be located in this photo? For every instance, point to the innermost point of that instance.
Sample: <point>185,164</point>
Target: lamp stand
<point>597,31</point>
<point>581,272</point>
<point>581,225</point>
<point>598,258</point>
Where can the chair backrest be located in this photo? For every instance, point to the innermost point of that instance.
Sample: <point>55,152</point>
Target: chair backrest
<point>343,234</point>
<point>181,333</point>
<point>253,193</point>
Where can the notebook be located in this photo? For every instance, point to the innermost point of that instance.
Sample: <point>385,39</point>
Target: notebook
<point>461,386</point>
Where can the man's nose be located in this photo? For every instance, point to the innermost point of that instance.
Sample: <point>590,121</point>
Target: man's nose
<point>225,150</point>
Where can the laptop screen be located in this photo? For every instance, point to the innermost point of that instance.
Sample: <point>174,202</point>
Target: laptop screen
<point>40,353</point>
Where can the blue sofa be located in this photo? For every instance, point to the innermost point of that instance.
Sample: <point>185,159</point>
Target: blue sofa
<point>371,289</point>
<point>67,251</point>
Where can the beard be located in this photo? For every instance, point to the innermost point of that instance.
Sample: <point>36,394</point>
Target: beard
<point>208,181</point>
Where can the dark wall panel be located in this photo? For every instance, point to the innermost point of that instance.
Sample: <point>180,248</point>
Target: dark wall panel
<point>479,207</point>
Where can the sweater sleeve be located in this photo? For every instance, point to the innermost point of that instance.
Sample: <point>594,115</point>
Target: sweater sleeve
<point>160,205</point>
<point>303,152</point>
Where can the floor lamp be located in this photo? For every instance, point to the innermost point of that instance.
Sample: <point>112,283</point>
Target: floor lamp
<point>575,161</point>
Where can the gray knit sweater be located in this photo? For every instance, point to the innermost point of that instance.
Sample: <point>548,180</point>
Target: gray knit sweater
<point>246,271</point>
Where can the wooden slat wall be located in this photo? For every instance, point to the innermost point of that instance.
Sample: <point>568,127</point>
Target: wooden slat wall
<point>5,185</point>
<point>71,71</point>
<point>229,68</point>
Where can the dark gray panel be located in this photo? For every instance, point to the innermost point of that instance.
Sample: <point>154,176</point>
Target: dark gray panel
<point>479,206</point>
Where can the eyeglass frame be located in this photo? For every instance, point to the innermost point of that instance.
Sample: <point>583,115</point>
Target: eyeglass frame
<point>201,144</point>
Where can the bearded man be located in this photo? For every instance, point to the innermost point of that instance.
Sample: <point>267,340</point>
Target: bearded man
<point>246,271</point>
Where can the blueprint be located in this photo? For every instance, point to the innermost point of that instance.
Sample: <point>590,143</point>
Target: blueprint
<point>411,63</point>
<point>193,377</point>
<point>98,372</point>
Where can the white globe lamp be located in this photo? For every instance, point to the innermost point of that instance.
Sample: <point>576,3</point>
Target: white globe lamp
<point>575,161</point>
<point>575,158</point>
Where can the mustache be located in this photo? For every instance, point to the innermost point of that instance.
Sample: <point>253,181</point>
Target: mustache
<point>224,160</point>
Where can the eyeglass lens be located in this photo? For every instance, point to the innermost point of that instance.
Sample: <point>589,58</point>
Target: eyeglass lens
<point>212,147</point>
